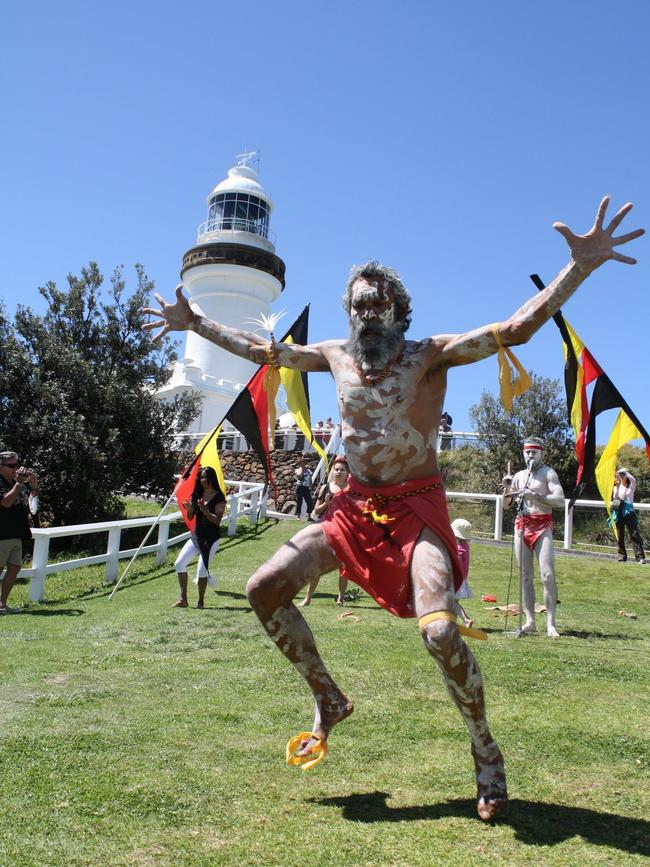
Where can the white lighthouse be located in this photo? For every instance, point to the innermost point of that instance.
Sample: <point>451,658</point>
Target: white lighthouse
<point>231,275</point>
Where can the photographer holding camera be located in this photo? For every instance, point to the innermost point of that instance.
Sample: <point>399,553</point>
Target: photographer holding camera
<point>18,498</point>
<point>622,506</point>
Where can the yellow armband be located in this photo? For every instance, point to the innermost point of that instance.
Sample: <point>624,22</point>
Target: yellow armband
<point>451,617</point>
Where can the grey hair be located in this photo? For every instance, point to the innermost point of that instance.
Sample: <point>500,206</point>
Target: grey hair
<point>534,441</point>
<point>391,278</point>
<point>7,456</point>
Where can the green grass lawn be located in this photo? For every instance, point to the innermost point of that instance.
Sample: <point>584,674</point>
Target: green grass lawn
<point>138,734</point>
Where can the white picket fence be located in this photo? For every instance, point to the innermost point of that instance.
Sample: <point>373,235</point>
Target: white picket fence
<point>246,501</point>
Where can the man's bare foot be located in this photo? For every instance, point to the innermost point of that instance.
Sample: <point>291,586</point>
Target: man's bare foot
<point>200,604</point>
<point>305,602</point>
<point>529,628</point>
<point>552,632</point>
<point>340,600</point>
<point>491,790</point>
<point>182,603</point>
<point>325,718</point>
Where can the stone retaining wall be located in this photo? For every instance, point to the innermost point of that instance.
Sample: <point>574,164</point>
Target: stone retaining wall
<point>246,467</point>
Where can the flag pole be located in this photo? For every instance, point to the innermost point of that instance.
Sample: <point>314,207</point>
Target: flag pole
<point>183,477</point>
<point>151,529</point>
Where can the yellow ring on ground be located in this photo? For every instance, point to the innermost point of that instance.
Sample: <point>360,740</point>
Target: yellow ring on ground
<point>319,750</point>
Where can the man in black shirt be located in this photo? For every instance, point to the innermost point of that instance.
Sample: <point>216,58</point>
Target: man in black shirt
<point>15,505</point>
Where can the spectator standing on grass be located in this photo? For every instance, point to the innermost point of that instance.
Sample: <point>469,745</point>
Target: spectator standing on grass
<point>624,516</point>
<point>208,504</point>
<point>463,532</point>
<point>18,499</point>
<point>303,488</point>
<point>337,481</point>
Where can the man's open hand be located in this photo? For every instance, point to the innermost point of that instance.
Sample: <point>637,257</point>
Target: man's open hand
<point>597,246</point>
<point>171,317</point>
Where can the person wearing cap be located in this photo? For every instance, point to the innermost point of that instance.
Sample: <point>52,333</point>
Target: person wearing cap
<point>624,516</point>
<point>462,530</point>
<point>538,491</point>
<point>18,498</point>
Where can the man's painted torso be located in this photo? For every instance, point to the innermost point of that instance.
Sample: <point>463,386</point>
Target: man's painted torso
<point>538,484</point>
<point>389,429</point>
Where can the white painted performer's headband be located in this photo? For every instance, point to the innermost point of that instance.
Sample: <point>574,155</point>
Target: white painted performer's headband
<point>533,446</point>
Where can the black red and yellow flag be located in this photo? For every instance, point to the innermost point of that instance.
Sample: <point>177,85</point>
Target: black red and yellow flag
<point>580,370</point>
<point>249,414</point>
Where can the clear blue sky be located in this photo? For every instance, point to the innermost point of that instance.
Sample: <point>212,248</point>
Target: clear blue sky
<point>443,139</point>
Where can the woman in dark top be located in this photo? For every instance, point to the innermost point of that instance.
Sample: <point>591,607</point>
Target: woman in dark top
<point>208,504</point>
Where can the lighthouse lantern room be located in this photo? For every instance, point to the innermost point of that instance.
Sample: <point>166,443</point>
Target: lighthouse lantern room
<point>232,275</point>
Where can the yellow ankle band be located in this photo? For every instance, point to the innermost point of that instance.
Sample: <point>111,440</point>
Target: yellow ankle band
<point>451,617</point>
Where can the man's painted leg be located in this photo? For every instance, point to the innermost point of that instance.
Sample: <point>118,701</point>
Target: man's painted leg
<point>271,592</point>
<point>546,557</point>
<point>463,680</point>
<point>431,574</point>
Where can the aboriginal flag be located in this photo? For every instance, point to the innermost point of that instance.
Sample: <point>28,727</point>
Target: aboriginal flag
<point>580,370</point>
<point>250,411</point>
<point>250,415</point>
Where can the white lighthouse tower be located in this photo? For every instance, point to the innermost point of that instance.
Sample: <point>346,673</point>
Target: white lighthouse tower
<point>231,276</point>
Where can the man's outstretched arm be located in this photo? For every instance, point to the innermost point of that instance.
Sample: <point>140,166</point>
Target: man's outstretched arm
<point>179,316</point>
<point>588,252</point>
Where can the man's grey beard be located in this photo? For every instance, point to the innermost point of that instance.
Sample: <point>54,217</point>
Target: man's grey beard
<point>378,348</point>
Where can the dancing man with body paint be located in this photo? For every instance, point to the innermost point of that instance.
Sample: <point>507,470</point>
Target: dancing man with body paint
<point>389,531</point>
<point>541,491</point>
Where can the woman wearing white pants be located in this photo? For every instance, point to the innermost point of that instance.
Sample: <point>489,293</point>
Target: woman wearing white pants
<point>208,504</point>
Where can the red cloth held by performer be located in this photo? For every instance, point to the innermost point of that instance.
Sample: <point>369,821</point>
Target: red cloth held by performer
<point>534,527</point>
<point>377,556</point>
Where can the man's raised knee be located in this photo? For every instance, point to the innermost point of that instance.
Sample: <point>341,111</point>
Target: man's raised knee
<point>439,636</point>
<point>255,588</point>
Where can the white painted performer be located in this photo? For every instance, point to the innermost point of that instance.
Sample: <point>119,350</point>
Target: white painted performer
<point>542,492</point>
<point>389,530</point>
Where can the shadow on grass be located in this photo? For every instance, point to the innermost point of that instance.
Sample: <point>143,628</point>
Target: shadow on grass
<point>534,822</point>
<point>54,612</point>
<point>618,636</point>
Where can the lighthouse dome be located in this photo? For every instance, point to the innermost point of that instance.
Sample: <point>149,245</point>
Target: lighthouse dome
<point>241,179</point>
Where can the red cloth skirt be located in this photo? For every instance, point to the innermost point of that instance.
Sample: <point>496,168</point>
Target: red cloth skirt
<point>534,527</point>
<point>377,556</point>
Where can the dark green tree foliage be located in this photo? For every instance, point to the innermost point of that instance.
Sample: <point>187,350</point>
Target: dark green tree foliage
<point>541,412</point>
<point>78,397</point>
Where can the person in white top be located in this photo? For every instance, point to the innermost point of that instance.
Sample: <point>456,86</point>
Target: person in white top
<point>623,513</point>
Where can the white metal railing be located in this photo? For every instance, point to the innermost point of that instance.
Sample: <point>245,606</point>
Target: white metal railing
<point>290,439</point>
<point>246,501</point>
<point>216,227</point>
<point>242,502</point>
<point>454,439</point>
<point>587,504</point>
<point>286,439</point>
<point>497,499</point>
<point>567,540</point>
